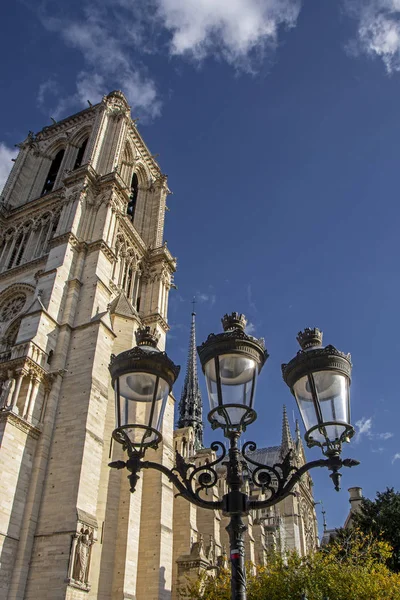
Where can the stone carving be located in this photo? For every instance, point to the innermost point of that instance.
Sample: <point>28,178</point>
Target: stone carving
<point>7,390</point>
<point>222,561</point>
<point>11,307</point>
<point>198,548</point>
<point>211,550</point>
<point>81,556</point>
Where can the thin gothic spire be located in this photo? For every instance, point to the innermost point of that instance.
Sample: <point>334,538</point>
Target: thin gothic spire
<point>190,405</point>
<point>287,440</point>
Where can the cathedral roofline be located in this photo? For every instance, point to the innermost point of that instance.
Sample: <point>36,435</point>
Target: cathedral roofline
<point>59,124</point>
<point>115,93</point>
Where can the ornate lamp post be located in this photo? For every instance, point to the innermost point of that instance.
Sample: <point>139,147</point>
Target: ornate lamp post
<point>318,377</point>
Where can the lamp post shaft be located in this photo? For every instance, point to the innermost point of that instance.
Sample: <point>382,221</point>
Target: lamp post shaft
<point>236,530</point>
<point>236,508</point>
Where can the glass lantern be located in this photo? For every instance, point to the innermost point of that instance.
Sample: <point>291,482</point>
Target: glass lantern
<point>142,379</point>
<point>231,362</point>
<point>319,378</point>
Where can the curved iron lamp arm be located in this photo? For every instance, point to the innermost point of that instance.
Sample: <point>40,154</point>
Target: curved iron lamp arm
<point>187,478</point>
<point>280,479</point>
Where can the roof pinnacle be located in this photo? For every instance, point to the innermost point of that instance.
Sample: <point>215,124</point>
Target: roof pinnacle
<point>287,440</point>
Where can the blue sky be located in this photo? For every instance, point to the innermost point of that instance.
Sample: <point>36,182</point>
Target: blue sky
<point>278,124</point>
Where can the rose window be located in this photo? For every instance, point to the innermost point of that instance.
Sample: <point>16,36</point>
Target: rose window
<point>11,307</point>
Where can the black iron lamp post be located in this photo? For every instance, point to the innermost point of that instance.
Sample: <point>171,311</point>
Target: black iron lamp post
<point>318,377</point>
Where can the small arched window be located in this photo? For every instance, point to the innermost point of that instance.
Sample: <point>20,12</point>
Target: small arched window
<point>133,197</point>
<point>80,155</point>
<point>53,172</point>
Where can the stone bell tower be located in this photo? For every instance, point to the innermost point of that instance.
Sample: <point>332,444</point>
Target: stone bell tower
<point>82,265</point>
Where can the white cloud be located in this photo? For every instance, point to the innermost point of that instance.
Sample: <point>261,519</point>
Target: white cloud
<point>250,328</point>
<point>250,300</point>
<point>378,32</point>
<point>383,436</point>
<point>233,29</point>
<point>396,457</point>
<point>113,35</point>
<point>206,298</point>
<point>109,63</point>
<point>49,86</point>
<point>6,156</point>
<point>363,427</point>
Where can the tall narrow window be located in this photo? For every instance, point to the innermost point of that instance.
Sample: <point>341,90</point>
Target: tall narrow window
<point>41,238</point>
<point>126,270</point>
<point>21,249</point>
<point>53,172</point>
<point>129,281</point>
<point>16,249</point>
<point>79,156</point>
<point>133,197</point>
<point>51,231</point>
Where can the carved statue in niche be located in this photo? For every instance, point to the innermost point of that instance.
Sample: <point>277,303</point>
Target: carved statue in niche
<point>211,550</point>
<point>222,561</point>
<point>83,548</point>
<point>7,390</point>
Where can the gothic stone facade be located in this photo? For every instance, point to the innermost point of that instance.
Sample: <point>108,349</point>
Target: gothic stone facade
<point>83,265</point>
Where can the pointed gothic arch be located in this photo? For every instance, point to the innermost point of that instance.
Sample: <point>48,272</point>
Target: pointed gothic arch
<point>134,190</point>
<point>53,172</point>
<point>127,162</point>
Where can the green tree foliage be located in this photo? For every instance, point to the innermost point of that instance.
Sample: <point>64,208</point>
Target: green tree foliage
<point>381,517</point>
<point>358,572</point>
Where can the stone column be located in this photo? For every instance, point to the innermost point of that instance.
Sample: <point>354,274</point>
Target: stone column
<point>28,397</point>
<point>21,375</point>
<point>32,400</point>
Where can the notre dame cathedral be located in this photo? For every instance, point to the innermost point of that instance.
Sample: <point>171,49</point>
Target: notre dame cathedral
<point>83,264</point>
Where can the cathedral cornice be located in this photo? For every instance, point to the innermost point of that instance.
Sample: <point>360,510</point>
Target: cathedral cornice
<point>67,238</point>
<point>61,126</point>
<point>155,318</point>
<point>162,255</point>
<point>20,423</point>
<point>86,171</point>
<point>143,150</point>
<point>117,183</point>
<point>103,247</point>
<point>25,267</point>
<point>25,364</point>
<point>35,207</point>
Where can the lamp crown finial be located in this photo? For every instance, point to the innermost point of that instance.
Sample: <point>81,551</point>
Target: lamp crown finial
<point>234,321</point>
<point>310,338</point>
<point>145,336</point>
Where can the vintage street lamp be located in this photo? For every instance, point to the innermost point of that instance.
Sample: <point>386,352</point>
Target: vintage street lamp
<point>231,362</point>
<point>142,379</point>
<point>318,377</point>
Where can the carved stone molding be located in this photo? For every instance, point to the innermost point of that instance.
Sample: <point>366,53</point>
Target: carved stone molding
<point>156,318</point>
<point>68,237</point>
<point>24,267</point>
<point>85,116</point>
<point>23,363</point>
<point>20,423</point>
<point>36,207</point>
<point>104,247</point>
